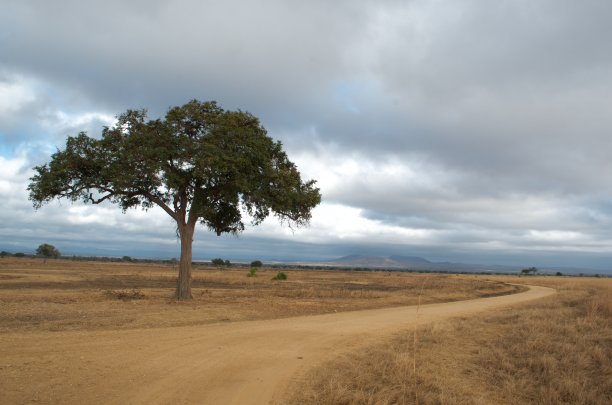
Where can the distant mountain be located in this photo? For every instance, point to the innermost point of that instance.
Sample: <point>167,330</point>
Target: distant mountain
<point>414,263</point>
<point>409,259</point>
<point>381,261</point>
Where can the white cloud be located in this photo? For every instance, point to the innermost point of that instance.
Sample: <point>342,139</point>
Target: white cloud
<point>60,121</point>
<point>339,173</point>
<point>15,93</point>
<point>555,236</point>
<point>335,223</point>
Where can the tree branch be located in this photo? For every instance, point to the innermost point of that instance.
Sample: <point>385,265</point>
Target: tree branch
<point>147,194</point>
<point>163,205</point>
<point>193,214</point>
<point>98,201</point>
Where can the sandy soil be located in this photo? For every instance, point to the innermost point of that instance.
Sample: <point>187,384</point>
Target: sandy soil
<point>254,362</point>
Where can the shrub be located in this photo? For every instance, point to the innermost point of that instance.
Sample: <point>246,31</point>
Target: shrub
<point>252,272</point>
<point>19,254</point>
<point>256,263</point>
<point>280,276</point>
<point>4,253</point>
<point>126,295</point>
<point>218,262</point>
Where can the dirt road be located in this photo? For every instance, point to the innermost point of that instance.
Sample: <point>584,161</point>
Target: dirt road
<point>227,363</point>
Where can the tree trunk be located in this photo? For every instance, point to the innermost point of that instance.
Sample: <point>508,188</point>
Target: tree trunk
<point>183,286</point>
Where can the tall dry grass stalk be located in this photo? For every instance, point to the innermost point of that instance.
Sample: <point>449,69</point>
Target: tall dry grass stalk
<point>414,344</point>
<point>600,303</point>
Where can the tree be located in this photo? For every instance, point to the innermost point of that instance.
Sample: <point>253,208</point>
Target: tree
<point>256,263</point>
<point>47,251</point>
<point>4,253</point>
<point>530,270</point>
<point>200,163</point>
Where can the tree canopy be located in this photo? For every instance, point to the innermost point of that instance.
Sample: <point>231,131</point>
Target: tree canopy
<point>47,251</point>
<point>200,164</point>
<point>530,270</point>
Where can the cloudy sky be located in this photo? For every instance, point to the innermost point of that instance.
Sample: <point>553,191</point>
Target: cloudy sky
<point>464,130</point>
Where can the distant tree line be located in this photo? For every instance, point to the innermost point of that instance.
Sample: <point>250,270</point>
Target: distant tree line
<point>218,262</point>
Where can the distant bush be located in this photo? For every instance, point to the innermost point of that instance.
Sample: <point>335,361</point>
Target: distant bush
<point>256,263</point>
<point>280,276</point>
<point>19,254</point>
<point>252,272</point>
<point>126,259</point>
<point>4,253</point>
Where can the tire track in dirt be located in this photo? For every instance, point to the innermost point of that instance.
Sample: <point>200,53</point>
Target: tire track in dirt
<point>250,362</point>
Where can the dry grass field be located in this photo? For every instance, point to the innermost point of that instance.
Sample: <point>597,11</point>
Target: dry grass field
<point>59,295</point>
<point>557,350</point>
<point>553,350</point>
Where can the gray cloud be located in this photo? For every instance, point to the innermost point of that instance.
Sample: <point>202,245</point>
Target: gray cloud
<point>153,54</point>
<point>478,121</point>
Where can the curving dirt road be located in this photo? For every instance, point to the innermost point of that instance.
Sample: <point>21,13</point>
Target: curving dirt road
<point>226,363</point>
